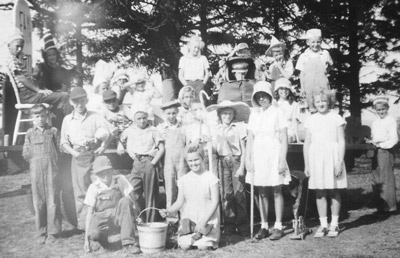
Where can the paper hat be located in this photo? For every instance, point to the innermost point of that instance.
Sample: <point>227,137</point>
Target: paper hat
<point>241,108</point>
<point>313,33</point>
<point>15,34</point>
<point>261,86</point>
<point>119,74</point>
<point>283,83</point>
<point>170,104</point>
<point>77,92</point>
<point>379,99</point>
<point>109,94</point>
<point>274,43</point>
<point>103,73</point>
<point>100,164</point>
<point>48,40</point>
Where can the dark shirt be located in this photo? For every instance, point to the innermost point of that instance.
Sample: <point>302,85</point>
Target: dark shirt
<point>55,79</point>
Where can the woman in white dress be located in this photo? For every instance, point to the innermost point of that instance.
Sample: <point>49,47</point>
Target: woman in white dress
<point>267,155</point>
<point>324,149</point>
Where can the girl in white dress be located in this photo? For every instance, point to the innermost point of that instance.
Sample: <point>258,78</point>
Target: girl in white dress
<point>285,100</point>
<point>198,200</point>
<point>267,155</point>
<point>324,149</point>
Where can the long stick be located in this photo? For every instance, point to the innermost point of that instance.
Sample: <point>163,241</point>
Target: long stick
<point>250,144</point>
<point>209,144</point>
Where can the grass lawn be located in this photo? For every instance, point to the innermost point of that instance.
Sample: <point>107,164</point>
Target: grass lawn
<point>363,235</point>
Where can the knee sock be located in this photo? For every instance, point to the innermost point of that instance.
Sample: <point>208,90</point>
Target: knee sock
<point>323,221</point>
<point>264,225</point>
<point>335,221</point>
<point>278,225</point>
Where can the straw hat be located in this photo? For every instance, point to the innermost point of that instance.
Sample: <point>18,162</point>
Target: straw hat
<point>261,86</point>
<point>241,108</point>
<point>100,164</point>
<point>274,43</point>
<point>313,33</point>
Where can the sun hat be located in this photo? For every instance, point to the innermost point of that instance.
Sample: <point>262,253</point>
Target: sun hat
<point>77,92</point>
<point>48,40</point>
<point>379,99</point>
<point>313,33</point>
<point>241,108</point>
<point>283,83</point>
<point>103,72</point>
<point>274,43</point>
<point>109,95</point>
<point>170,104</point>
<point>100,164</point>
<point>261,86</point>
<point>119,74</point>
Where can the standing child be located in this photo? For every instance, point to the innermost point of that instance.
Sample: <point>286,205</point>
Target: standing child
<point>145,145</point>
<point>231,150</point>
<point>143,93</point>
<point>314,65</point>
<point>109,205</point>
<point>198,199</point>
<point>174,164</point>
<point>186,97</point>
<point>286,102</point>
<point>267,155</point>
<point>78,138</point>
<point>194,69</point>
<point>40,149</point>
<point>324,149</point>
<point>384,137</point>
<point>282,67</point>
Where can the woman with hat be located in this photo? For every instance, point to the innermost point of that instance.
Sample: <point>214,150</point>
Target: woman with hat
<point>285,100</point>
<point>282,66</point>
<point>51,74</point>
<point>267,131</point>
<point>384,138</point>
<point>229,143</point>
<point>314,65</point>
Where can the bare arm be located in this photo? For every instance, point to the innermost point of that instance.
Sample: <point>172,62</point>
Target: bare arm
<point>207,74</point>
<point>306,148</point>
<point>159,154</point>
<point>240,171</point>
<point>284,148</point>
<point>181,77</point>
<point>249,153</point>
<point>342,149</point>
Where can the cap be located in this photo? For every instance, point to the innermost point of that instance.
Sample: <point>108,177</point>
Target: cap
<point>48,40</point>
<point>313,33</point>
<point>109,95</point>
<point>16,34</point>
<point>170,104</point>
<point>77,92</point>
<point>101,163</point>
<point>378,99</point>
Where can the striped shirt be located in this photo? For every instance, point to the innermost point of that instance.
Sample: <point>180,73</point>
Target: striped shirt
<point>16,67</point>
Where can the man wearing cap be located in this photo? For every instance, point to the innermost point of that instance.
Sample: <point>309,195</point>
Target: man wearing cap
<point>109,204</point>
<point>78,139</point>
<point>29,92</point>
<point>50,74</point>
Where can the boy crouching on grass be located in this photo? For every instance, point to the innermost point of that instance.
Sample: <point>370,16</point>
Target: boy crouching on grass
<point>40,149</point>
<point>145,144</point>
<point>109,204</point>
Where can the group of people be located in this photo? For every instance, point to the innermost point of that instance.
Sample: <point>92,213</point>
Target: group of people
<point>205,154</point>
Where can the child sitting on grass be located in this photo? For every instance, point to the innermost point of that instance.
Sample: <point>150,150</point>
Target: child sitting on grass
<point>109,205</point>
<point>41,151</point>
<point>198,199</point>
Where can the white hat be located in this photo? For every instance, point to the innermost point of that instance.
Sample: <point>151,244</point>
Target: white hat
<point>261,86</point>
<point>274,43</point>
<point>378,99</point>
<point>103,72</point>
<point>283,83</point>
<point>120,73</point>
<point>313,33</point>
<point>241,108</point>
<point>15,34</point>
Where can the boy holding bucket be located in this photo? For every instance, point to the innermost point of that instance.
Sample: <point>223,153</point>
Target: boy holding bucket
<point>109,204</point>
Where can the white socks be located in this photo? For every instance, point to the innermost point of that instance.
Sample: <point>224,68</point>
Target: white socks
<point>335,221</point>
<point>278,225</point>
<point>264,225</point>
<point>324,222</point>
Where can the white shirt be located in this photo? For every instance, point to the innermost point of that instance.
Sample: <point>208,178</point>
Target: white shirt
<point>384,132</point>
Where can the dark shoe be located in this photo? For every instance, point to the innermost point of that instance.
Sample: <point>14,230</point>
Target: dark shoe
<point>131,249</point>
<point>244,233</point>
<point>50,239</point>
<point>262,233</point>
<point>276,234</point>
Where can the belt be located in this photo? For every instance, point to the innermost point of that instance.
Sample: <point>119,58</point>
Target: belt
<point>140,157</point>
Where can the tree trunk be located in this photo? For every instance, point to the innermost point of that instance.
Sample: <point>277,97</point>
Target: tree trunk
<point>79,55</point>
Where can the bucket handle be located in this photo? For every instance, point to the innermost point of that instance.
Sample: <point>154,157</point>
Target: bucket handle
<point>148,208</point>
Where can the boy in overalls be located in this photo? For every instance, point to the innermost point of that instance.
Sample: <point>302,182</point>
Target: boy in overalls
<point>109,204</point>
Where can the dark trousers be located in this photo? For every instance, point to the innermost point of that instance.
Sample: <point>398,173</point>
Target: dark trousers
<point>233,195</point>
<point>121,217</point>
<point>80,172</point>
<point>144,180</point>
<point>45,194</point>
<point>383,180</point>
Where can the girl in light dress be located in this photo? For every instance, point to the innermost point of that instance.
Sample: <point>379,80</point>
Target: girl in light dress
<point>266,154</point>
<point>198,200</point>
<point>186,97</point>
<point>324,149</point>
<point>285,100</point>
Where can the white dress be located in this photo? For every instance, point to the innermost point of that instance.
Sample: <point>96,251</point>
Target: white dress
<point>265,125</point>
<point>324,151</point>
<point>289,110</point>
<point>197,193</point>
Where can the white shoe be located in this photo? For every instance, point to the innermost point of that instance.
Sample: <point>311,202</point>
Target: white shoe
<point>321,232</point>
<point>333,231</point>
